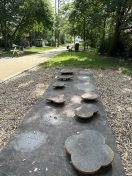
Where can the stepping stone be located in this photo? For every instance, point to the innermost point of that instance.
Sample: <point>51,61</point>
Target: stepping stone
<point>88,151</point>
<point>57,99</point>
<point>66,71</point>
<point>89,96</point>
<point>64,77</point>
<point>59,85</point>
<point>86,111</point>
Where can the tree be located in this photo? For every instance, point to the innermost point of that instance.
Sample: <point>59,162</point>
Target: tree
<point>122,15</point>
<point>86,18</point>
<point>109,19</point>
<point>23,15</point>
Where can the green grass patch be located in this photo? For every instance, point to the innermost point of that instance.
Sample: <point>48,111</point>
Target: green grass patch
<point>37,49</point>
<point>27,51</point>
<point>89,59</point>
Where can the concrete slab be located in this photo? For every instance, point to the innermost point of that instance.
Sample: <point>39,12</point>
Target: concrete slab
<point>55,123</point>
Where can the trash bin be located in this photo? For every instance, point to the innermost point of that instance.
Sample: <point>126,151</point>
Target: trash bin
<point>67,47</point>
<point>76,47</point>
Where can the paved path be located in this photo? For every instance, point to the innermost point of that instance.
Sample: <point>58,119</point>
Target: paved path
<point>10,67</point>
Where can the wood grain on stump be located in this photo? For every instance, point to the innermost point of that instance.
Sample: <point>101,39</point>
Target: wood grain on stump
<point>86,111</point>
<point>57,99</point>
<point>66,71</point>
<point>58,84</point>
<point>88,151</point>
<point>64,77</point>
<point>89,96</point>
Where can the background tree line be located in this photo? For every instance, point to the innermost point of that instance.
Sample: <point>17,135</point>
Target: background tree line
<point>19,17</point>
<point>106,25</point>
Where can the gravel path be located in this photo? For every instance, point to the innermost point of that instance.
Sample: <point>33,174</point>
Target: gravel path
<point>19,94</point>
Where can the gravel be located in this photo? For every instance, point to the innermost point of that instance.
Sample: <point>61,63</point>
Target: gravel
<point>19,94</point>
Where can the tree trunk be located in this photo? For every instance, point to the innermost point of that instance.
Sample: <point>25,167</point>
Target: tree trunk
<point>84,38</point>
<point>58,39</point>
<point>4,35</point>
<point>58,23</point>
<point>55,38</point>
<point>6,42</point>
<point>55,26</point>
<point>30,40</point>
<point>74,39</point>
<point>114,44</point>
<point>104,26</point>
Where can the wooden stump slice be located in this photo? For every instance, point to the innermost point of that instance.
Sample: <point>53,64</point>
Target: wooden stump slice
<point>66,71</point>
<point>88,151</point>
<point>57,99</point>
<point>86,111</point>
<point>89,96</point>
<point>64,77</point>
<point>58,85</point>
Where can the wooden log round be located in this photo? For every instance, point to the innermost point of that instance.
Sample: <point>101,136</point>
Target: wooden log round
<point>64,77</point>
<point>56,99</point>
<point>58,85</point>
<point>86,111</point>
<point>89,96</point>
<point>66,71</point>
<point>88,151</point>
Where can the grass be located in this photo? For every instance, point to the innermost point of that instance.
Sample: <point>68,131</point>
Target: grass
<point>89,59</point>
<point>28,51</point>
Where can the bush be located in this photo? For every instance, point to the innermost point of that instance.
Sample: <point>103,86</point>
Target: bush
<point>127,44</point>
<point>104,46</point>
<point>1,43</point>
<point>20,40</point>
<point>124,47</point>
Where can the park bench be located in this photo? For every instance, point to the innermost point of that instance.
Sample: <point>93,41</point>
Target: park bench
<point>18,49</point>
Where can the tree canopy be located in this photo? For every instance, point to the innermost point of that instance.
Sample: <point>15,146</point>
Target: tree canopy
<point>103,24</point>
<point>23,16</point>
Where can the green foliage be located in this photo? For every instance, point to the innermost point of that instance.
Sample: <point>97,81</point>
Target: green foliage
<point>24,16</point>
<point>20,40</point>
<point>106,23</point>
<point>124,46</point>
<point>104,46</point>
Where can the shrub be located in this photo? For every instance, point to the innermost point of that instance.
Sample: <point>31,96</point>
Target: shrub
<point>104,46</point>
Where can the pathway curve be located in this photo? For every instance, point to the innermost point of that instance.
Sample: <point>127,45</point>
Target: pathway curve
<point>10,67</point>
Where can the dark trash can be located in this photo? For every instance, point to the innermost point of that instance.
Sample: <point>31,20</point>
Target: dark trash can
<point>67,47</point>
<point>77,47</point>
